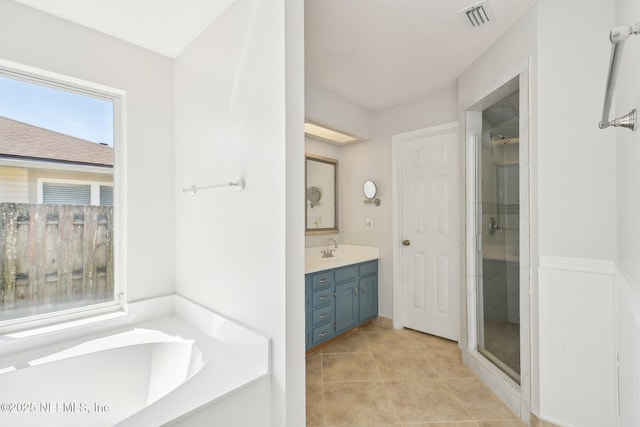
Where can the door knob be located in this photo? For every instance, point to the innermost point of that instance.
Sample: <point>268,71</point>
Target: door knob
<point>406,242</point>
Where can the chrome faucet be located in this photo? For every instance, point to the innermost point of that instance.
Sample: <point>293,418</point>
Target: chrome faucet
<point>328,253</point>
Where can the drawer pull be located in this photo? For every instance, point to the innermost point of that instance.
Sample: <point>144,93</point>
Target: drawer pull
<point>324,315</point>
<point>324,334</point>
<point>324,280</point>
<point>324,298</point>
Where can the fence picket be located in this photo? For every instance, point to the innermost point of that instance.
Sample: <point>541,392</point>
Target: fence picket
<point>54,257</point>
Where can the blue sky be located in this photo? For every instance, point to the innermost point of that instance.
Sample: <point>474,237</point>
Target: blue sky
<point>65,112</point>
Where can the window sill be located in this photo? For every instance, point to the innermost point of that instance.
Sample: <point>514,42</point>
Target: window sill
<point>115,316</point>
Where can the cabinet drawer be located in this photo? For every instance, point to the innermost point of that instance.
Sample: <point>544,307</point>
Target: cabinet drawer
<point>346,274</point>
<point>368,268</point>
<point>322,280</point>
<point>322,333</point>
<point>322,297</point>
<point>322,315</point>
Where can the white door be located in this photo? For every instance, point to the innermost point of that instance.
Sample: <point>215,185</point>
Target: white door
<point>430,215</point>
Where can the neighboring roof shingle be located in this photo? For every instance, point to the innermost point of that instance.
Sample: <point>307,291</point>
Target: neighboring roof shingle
<point>25,141</point>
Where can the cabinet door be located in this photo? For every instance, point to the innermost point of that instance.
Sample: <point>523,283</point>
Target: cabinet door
<point>347,312</point>
<point>368,298</point>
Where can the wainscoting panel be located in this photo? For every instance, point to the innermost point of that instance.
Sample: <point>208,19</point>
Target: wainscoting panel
<point>628,340</point>
<point>577,342</point>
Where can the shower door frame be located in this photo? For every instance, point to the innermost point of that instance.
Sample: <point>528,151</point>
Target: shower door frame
<point>517,396</point>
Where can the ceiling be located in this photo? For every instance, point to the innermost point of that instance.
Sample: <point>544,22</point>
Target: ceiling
<point>163,26</point>
<point>377,53</point>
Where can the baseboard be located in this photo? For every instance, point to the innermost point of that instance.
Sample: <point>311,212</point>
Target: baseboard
<point>384,322</point>
<point>537,422</point>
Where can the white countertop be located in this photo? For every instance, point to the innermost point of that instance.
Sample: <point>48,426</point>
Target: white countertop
<point>344,255</point>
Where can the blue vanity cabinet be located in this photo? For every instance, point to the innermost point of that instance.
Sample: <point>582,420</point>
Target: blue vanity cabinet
<point>340,299</point>
<point>319,297</point>
<point>307,309</point>
<point>368,287</point>
<point>347,301</point>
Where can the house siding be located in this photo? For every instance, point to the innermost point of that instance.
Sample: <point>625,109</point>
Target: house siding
<point>14,185</point>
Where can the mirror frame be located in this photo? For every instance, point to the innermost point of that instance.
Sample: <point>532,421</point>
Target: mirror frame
<point>315,231</point>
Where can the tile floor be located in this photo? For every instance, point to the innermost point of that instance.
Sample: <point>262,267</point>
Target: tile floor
<point>381,377</point>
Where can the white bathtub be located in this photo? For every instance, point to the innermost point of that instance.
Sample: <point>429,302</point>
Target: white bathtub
<point>147,373</point>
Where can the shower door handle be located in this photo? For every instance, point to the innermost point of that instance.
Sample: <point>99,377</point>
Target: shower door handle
<point>493,226</point>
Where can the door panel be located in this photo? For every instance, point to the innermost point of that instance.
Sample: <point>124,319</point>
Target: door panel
<point>346,306</point>
<point>431,216</point>
<point>368,298</point>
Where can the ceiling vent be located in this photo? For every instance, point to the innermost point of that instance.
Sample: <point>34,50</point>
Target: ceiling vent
<point>478,15</point>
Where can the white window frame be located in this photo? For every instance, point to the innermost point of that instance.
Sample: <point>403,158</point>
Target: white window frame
<point>61,319</point>
<point>95,187</point>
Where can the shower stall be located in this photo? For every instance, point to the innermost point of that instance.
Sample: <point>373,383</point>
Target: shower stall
<point>498,207</point>
<point>497,168</point>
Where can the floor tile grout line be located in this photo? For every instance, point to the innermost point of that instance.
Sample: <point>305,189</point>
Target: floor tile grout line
<point>471,416</point>
<point>385,389</point>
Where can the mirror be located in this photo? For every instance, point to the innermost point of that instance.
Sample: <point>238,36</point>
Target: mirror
<point>321,183</point>
<point>370,191</point>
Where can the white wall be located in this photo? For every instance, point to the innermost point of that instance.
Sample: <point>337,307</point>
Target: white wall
<point>628,147</point>
<point>628,223</point>
<point>372,160</point>
<point>40,40</point>
<point>576,207</point>
<point>241,253</point>
<point>327,108</point>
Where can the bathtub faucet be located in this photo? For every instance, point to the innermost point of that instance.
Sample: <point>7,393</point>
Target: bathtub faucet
<point>328,253</point>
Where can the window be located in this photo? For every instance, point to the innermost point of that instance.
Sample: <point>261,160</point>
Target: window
<point>58,142</point>
<point>66,194</point>
<point>63,192</point>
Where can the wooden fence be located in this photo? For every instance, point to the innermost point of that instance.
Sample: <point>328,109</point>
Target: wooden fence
<point>54,257</point>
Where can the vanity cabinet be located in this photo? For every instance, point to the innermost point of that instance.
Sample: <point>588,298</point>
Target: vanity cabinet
<point>339,300</point>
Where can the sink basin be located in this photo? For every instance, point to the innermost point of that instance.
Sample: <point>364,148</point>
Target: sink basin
<point>344,255</point>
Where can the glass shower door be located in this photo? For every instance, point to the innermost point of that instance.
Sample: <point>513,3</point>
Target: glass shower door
<point>498,255</point>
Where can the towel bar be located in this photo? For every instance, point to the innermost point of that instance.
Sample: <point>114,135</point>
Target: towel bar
<point>617,36</point>
<point>239,184</point>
